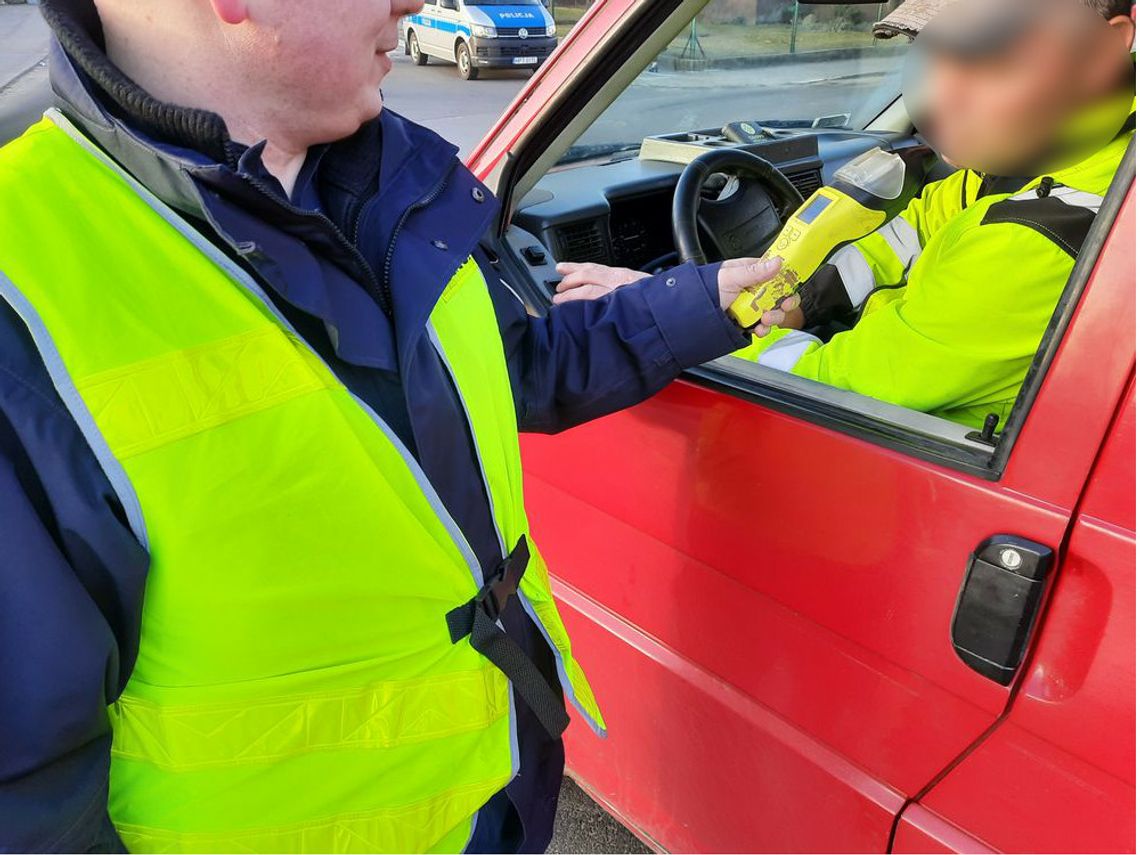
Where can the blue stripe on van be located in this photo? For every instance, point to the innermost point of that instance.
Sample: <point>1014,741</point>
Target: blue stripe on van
<point>434,23</point>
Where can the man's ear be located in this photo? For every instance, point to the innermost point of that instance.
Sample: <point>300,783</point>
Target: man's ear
<point>1124,27</point>
<point>230,11</point>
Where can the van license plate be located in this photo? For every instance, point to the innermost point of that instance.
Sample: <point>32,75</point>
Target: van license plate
<point>525,60</point>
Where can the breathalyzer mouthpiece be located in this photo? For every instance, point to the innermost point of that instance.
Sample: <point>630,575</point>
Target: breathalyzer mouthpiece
<point>880,173</point>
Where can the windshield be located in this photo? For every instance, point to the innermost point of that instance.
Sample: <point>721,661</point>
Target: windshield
<point>772,62</point>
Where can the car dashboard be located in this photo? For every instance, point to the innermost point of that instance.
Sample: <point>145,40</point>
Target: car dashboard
<point>618,212</point>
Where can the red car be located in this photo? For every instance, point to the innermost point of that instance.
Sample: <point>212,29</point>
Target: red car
<point>917,637</point>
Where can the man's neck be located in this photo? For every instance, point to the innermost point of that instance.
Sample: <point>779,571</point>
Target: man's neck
<point>179,71</point>
<point>282,163</point>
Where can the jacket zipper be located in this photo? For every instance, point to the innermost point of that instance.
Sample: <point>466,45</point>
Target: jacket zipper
<point>381,295</point>
<point>386,279</point>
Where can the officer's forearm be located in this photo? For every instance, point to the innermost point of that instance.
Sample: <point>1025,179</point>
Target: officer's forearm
<point>589,358</point>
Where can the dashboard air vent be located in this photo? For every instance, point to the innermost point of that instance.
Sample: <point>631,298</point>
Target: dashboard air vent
<point>806,182</point>
<point>582,242</point>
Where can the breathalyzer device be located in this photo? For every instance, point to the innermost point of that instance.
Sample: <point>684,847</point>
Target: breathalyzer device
<point>866,193</point>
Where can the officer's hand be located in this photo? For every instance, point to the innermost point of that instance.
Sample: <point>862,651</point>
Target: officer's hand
<point>591,281</point>
<point>741,274</point>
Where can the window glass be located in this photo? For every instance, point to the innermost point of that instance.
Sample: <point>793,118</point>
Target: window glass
<point>771,61</point>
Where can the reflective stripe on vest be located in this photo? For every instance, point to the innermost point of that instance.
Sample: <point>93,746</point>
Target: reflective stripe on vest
<point>855,274</point>
<point>903,240</point>
<point>1064,215</point>
<point>1068,195</point>
<point>851,264</point>
<point>296,688</point>
<point>784,352</point>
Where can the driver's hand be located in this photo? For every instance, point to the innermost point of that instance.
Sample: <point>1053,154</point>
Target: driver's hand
<point>793,314</point>
<point>591,281</point>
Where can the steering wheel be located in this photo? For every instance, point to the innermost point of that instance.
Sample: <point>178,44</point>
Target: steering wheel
<point>746,222</point>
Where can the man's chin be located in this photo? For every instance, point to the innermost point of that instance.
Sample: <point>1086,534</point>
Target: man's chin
<point>345,125</point>
<point>376,108</point>
<point>372,105</point>
<point>383,66</point>
<point>957,156</point>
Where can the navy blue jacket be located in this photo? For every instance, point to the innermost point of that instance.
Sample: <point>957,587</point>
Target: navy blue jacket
<point>356,260</point>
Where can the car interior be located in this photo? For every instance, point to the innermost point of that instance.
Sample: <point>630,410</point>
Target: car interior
<point>601,190</point>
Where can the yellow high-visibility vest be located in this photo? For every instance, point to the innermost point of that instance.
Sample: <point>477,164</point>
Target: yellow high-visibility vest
<point>296,687</point>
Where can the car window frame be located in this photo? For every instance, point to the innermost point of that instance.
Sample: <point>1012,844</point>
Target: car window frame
<point>1059,323</point>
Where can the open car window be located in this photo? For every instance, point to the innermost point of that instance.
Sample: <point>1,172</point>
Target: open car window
<point>786,65</point>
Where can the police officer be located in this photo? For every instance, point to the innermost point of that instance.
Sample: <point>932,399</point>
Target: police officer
<point>268,582</point>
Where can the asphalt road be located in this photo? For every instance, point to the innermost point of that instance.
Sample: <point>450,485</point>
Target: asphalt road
<point>656,103</point>
<point>582,827</point>
<point>672,102</point>
<point>23,41</point>
<point>434,95</point>
<point>24,88</point>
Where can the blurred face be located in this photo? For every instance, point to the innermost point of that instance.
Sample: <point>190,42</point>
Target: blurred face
<point>995,93</point>
<point>320,65</point>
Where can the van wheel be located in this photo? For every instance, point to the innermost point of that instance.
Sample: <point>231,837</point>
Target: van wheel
<point>467,69</point>
<point>417,55</point>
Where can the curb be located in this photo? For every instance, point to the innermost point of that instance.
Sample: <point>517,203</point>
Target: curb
<point>675,63</point>
<point>5,85</point>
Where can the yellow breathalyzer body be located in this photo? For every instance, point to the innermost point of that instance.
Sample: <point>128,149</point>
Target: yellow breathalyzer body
<point>869,191</point>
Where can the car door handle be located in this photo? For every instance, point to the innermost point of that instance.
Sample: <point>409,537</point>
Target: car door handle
<point>999,603</point>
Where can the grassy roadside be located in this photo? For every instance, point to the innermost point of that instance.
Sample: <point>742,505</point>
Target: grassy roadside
<point>730,40</point>
<point>565,19</point>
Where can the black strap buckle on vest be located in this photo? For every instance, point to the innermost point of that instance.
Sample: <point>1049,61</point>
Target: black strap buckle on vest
<point>477,619</point>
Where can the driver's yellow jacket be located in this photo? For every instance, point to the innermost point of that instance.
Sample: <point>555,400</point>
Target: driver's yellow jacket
<point>955,294</point>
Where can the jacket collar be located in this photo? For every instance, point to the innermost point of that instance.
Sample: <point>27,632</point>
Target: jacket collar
<point>187,159</point>
<point>77,30</point>
<point>160,143</point>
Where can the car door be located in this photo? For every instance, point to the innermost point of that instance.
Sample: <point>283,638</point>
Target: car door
<point>448,24</point>
<point>772,642</point>
<point>1059,773</point>
<point>427,29</point>
<point>763,585</point>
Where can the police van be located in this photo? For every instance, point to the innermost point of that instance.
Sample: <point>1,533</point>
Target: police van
<point>484,34</point>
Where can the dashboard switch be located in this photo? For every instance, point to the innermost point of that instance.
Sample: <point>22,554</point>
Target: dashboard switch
<point>535,255</point>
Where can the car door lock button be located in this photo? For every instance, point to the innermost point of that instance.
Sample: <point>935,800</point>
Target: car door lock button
<point>535,255</point>
<point>1011,559</point>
